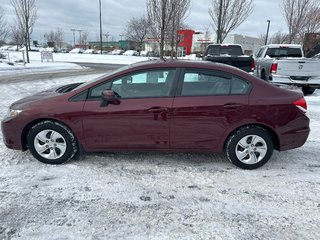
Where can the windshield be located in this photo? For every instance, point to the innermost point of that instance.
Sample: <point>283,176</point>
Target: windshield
<point>102,77</point>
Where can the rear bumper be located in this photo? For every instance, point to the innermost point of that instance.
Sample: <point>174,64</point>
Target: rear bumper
<point>311,81</point>
<point>295,134</point>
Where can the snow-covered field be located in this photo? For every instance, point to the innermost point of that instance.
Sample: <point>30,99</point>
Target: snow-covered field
<point>158,196</point>
<point>79,58</point>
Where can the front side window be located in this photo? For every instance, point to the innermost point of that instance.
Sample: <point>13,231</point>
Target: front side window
<point>211,83</point>
<point>153,83</point>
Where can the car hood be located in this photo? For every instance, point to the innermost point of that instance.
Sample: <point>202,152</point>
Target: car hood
<point>40,96</point>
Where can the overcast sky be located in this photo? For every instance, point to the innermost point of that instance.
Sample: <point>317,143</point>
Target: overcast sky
<point>84,15</point>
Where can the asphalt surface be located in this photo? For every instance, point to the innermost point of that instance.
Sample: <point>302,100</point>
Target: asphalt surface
<point>88,68</point>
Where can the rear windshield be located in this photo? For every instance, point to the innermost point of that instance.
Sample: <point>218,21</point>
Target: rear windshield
<point>217,50</point>
<point>284,52</point>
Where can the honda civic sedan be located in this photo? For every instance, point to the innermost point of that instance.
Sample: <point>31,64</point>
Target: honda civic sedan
<point>163,106</point>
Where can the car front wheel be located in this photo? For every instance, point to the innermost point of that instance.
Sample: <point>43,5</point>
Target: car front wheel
<point>52,142</point>
<point>249,147</point>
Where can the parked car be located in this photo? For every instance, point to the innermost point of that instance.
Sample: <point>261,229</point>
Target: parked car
<point>131,53</point>
<point>231,54</point>
<point>62,50</point>
<point>14,48</point>
<point>32,48</point>
<point>164,106</point>
<point>77,50</point>
<point>117,52</point>
<point>90,51</point>
<point>4,48</point>
<point>285,64</point>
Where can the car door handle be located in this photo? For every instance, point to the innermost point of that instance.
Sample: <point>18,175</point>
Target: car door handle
<point>232,105</point>
<point>158,109</point>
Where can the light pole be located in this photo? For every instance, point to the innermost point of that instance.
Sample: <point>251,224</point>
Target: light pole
<point>267,32</point>
<point>100,27</point>
<point>107,35</point>
<point>74,37</point>
<point>219,30</point>
<point>121,35</point>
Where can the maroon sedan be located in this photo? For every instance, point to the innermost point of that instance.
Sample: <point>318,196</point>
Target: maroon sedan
<point>161,106</point>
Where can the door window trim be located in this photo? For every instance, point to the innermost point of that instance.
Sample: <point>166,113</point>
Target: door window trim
<point>202,70</point>
<point>171,92</point>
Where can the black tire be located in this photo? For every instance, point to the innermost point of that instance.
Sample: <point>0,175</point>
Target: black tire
<point>256,151</point>
<point>52,142</point>
<point>307,90</point>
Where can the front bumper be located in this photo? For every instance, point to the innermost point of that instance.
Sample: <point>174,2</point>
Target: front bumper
<point>11,134</point>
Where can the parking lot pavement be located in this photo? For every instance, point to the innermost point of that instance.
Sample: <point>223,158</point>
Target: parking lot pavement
<point>158,196</point>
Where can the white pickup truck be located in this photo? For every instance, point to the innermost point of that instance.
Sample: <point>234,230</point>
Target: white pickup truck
<point>285,64</point>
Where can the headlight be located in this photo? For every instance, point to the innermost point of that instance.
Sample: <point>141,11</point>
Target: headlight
<point>13,113</point>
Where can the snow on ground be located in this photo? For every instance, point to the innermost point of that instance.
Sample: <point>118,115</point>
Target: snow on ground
<point>158,196</point>
<point>83,58</point>
<point>36,66</point>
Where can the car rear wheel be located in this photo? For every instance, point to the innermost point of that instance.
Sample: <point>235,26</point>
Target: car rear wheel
<point>308,90</point>
<point>249,147</point>
<point>52,142</point>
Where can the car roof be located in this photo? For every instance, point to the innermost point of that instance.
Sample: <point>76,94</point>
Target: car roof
<point>284,45</point>
<point>185,64</point>
<point>174,63</point>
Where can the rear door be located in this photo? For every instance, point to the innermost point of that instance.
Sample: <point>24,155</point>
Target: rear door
<point>207,104</point>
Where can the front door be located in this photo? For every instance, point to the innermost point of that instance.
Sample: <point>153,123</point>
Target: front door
<point>140,121</point>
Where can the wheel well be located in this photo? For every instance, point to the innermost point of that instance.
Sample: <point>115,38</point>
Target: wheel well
<point>272,133</point>
<point>263,71</point>
<point>28,127</point>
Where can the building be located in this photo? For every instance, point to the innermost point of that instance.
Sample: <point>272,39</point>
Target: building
<point>185,43</point>
<point>196,42</point>
<point>249,44</point>
<point>109,46</point>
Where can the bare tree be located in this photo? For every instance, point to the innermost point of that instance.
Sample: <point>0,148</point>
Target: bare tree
<point>59,37</point>
<point>313,20</point>
<point>279,38</point>
<point>4,30</point>
<point>26,13</point>
<point>137,30</point>
<point>179,12</point>
<point>233,14</point>
<point>160,13</point>
<point>55,37</point>
<point>301,16</point>
<point>16,36</point>
<point>84,39</point>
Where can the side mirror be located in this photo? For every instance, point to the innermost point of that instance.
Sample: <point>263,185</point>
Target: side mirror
<point>109,97</point>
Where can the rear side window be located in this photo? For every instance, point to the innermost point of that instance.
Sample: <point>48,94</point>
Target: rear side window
<point>259,53</point>
<point>239,86</point>
<point>212,83</point>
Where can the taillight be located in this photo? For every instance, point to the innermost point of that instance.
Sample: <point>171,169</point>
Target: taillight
<point>274,68</point>
<point>252,66</point>
<point>301,104</point>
